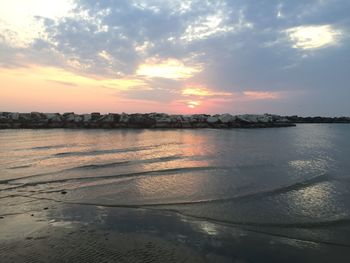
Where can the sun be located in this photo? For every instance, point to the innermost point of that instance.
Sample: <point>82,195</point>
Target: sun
<point>193,104</point>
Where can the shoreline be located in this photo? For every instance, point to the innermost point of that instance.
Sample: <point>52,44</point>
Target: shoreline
<point>37,120</point>
<point>96,120</point>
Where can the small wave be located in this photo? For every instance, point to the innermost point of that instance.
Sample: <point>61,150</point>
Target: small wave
<point>97,166</point>
<point>126,175</point>
<point>47,147</point>
<point>107,165</point>
<point>51,147</point>
<point>20,167</point>
<point>101,152</point>
<point>259,227</point>
<point>111,151</point>
<point>94,166</point>
<point>310,224</point>
<point>261,194</point>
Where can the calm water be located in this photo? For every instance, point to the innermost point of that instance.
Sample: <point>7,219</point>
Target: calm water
<point>230,193</point>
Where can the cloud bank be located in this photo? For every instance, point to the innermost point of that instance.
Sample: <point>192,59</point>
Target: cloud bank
<point>286,57</point>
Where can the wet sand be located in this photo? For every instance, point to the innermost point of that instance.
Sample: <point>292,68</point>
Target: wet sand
<point>57,232</point>
<point>72,242</point>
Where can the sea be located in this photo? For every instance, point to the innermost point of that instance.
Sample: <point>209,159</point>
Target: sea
<point>176,195</point>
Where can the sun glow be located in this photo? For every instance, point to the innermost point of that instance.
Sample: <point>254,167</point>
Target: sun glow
<point>196,95</point>
<point>67,78</point>
<point>170,69</point>
<point>193,104</point>
<point>202,92</point>
<point>195,92</point>
<point>35,88</point>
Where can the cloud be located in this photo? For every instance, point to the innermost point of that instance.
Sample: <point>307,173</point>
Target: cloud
<point>114,38</point>
<point>202,92</point>
<point>18,24</point>
<point>312,37</point>
<point>169,68</point>
<point>65,83</point>
<point>209,52</point>
<point>262,95</point>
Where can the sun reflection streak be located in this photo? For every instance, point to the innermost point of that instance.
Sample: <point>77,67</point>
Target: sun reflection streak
<point>315,203</point>
<point>177,186</point>
<point>209,228</point>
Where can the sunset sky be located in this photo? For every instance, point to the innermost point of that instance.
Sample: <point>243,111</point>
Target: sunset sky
<point>175,56</point>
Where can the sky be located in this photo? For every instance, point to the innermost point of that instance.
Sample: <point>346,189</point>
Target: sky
<point>176,56</point>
